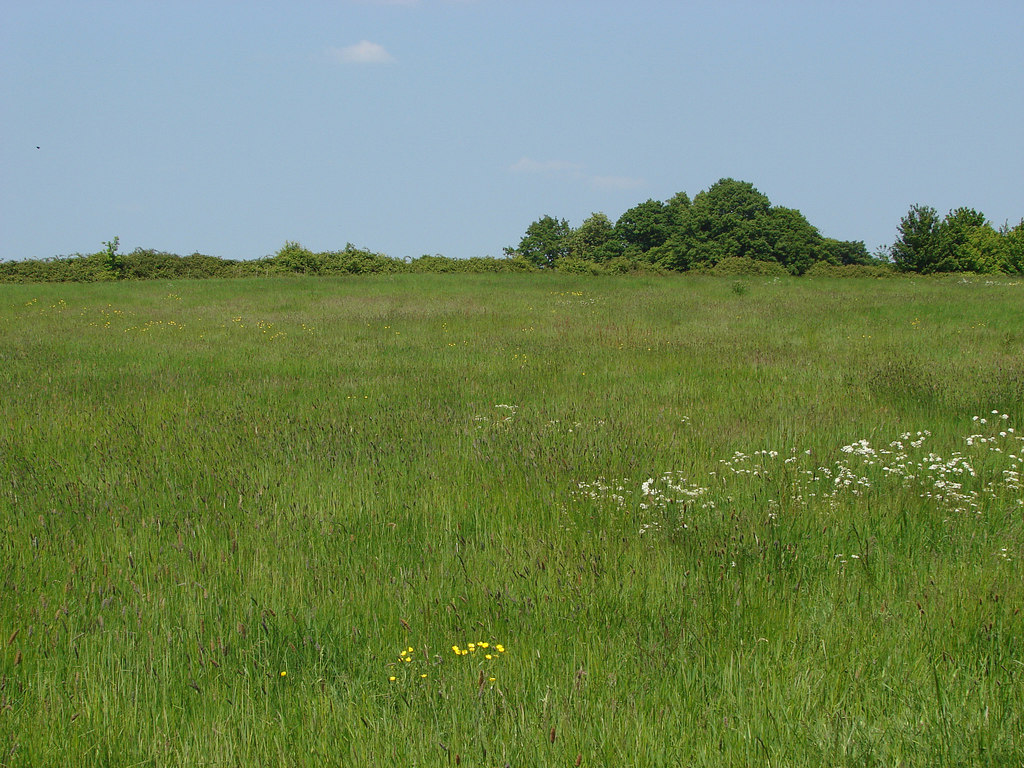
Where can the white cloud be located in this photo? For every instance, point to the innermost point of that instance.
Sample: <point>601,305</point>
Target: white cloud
<point>529,165</point>
<point>363,52</point>
<point>574,171</point>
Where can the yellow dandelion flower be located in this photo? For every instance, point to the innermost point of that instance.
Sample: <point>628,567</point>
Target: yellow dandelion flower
<point>492,679</point>
<point>283,673</point>
<point>409,649</point>
<point>472,646</point>
<point>500,647</point>
<point>392,678</point>
<point>423,675</point>
<point>482,645</point>
<point>488,656</point>
<point>455,648</point>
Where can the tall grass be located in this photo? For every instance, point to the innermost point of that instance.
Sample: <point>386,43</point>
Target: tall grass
<point>229,509</point>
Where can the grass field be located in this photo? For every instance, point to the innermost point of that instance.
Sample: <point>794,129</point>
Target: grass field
<point>512,520</point>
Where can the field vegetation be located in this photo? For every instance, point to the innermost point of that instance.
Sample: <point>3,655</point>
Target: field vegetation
<point>729,228</point>
<point>525,520</point>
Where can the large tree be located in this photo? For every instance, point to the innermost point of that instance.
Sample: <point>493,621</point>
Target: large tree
<point>963,241</point>
<point>594,239</point>
<point>953,252</point>
<point>677,252</point>
<point>545,242</point>
<point>792,241</point>
<point>915,248</point>
<point>1014,240</point>
<point>728,202</point>
<point>733,219</point>
<point>643,227</point>
<point>729,219</point>
<point>844,251</point>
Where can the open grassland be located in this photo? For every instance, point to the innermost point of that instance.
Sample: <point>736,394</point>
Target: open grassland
<point>512,520</point>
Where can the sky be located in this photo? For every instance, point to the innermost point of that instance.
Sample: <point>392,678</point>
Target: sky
<point>414,127</point>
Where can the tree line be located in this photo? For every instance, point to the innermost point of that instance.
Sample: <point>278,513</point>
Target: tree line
<point>732,221</point>
<point>730,228</point>
<point>961,241</point>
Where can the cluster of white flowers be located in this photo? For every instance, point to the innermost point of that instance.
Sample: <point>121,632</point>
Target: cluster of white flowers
<point>753,464</point>
<point>956,483</point>
<point>662,501</point>
<point>860,448</point>
<point>1011,478</point>
<point>997,414</point>
<point>601,490</point>
<point>570,427</point>
<point>504,416</point>
<point>669,489</point>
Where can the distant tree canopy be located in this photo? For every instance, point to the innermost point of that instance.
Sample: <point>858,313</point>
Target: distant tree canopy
<point>730,228</point>
<point>729,220</point>
<point>963,241</point>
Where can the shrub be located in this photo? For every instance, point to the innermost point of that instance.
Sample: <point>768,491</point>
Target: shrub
<point>744,265</point>
<point>824,269</point>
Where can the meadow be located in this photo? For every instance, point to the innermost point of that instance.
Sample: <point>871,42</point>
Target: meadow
<point>523,520</point>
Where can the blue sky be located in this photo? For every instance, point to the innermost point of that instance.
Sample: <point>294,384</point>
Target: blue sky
<point>447,126</point>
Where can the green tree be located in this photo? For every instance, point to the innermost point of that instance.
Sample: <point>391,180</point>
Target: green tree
<point>984,250</point>
<point>952,252</point>
<point>732,219</point>
<point>728,202</point>
<point>113,263</point>
<point>791,239</point>
<point>594,239</point>
<point>677,210</point>
<point>1013,240</point>
<point>916,248</point>
<point>677,252</point>
<point>643,227</point>
<point>725,221</point>
<point>545,242</point>
<point>844,251</point>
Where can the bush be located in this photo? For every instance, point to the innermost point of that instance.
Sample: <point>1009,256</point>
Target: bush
<point>294,258</point>
<point>744,265</point>
<point>620,265</point>
<point>435,264</point>
<point>571,266</point>
<point>823,269</point>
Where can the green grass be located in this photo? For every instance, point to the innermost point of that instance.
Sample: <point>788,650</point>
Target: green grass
<point>204,485</point>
